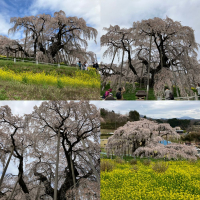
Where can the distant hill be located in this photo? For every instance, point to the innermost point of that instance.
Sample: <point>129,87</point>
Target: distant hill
<point>185,117</point>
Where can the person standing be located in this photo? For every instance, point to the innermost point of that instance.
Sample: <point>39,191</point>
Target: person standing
<point>168,94</point>
<point>97,66</point>
<point>120,92</point>
<point>86,66</point>
<point>198,89</point>
<point>93,65</point>
<point>79,64</point>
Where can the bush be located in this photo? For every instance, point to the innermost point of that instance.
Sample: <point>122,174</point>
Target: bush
<point>106,165</point>
<point>134,168</point>
<point>160,167</point>
<point>192,161</point>
<point>133,162</point>
<point>146,162</point>
<point>119,160</point>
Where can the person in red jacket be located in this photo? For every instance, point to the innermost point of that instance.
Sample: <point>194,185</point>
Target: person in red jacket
<point>107,93</point>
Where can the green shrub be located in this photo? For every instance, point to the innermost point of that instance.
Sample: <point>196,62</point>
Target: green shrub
<point>133,162</point>
<point>160,167</point>
<point>192,161</point>
<point>106,165</point>
<point>119,160</point>
<point>135,168</point>
<point>146,162</point>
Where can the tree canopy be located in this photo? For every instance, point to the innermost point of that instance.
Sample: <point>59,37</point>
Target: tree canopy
<point>173,59</point>
<point>134,115</point>
<point>34,139</point>
<point>48,38</point>
<point>142,139</point>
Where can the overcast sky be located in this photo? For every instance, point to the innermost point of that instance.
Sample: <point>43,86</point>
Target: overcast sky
<point>125,12</point>
<point>154,109</point>
<point>89,10</point>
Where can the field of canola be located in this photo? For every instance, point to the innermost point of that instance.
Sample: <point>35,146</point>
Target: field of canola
<point>87,79</point>
<point>181,181</point>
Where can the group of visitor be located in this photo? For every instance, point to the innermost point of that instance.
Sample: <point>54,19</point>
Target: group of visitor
<point>85,65</point>
<point>119,95</point>
<point>95,65</point>
<point>109,96</point>
<point>169,95</point>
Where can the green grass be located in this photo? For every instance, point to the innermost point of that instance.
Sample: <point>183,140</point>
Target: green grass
<point>107,131</point>
<point>13,90</point>
<point>3,95</point>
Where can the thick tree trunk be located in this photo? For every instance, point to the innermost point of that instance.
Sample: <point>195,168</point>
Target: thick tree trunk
<point>130,64</point>
<point>120,84</point>
<point>21,180</point>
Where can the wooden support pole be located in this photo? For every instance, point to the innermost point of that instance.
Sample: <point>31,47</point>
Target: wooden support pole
<point>14,187</point>
<point>4,171</point>
<point>113,57</point>
<point>196,97</point>
<point>149,69</point>
<point>57,163</point>
<point>38,191</point>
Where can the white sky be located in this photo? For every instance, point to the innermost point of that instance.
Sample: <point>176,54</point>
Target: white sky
<point>125,12</point>
<point>154,109</point>
<point>21,107</point>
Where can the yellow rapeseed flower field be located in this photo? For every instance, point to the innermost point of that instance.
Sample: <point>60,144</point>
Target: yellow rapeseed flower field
<point>181,181</point>
<point>88,79</point>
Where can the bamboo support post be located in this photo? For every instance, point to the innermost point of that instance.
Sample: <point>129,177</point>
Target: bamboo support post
<point>4,171</point>
<point>14,187</point>
<point>57,162</point>
<point>149,69</point>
